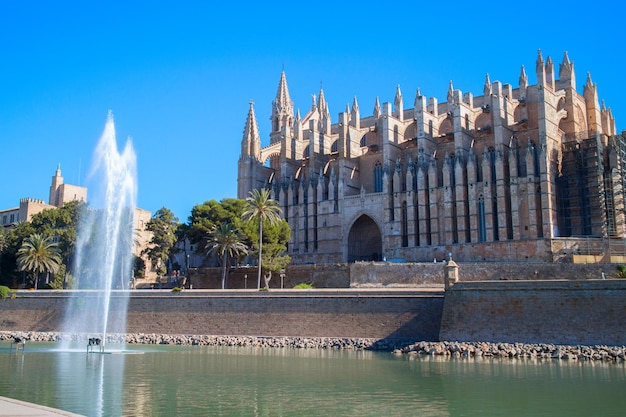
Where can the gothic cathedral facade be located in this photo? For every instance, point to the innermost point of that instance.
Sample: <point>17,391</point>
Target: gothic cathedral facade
<point>528,173</point>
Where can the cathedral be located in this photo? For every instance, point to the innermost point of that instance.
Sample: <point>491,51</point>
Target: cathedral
<point>518,173</point>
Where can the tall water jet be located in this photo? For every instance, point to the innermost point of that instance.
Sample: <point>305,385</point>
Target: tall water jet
<point>103,253</point>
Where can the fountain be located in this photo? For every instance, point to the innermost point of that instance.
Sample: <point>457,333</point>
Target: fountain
<point>103,253</point>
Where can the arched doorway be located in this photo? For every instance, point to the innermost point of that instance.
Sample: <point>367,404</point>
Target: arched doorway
<point>364,241</point>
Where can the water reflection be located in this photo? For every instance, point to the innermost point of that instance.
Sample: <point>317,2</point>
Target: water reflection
<point>96,377</point>
<point>200,381</point>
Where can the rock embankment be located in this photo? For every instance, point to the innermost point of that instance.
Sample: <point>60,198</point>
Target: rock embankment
<point>516,350</point>
<point>437,349</point>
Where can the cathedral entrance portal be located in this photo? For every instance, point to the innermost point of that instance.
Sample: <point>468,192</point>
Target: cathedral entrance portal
<point>364,241</point>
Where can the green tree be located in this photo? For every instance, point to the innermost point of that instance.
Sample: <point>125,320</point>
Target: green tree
<point>13,242</point>
<point>38,255</point>
<point>261,208</point>
<point>163,225</point>
<point>226,242</point>
<point>275,239</point>
<point>205,217</point>
<point>62,223</point>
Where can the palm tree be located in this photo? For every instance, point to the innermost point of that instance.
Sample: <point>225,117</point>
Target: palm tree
<point>261,207</point>
<point>39,254</point>
<point>226,242</point>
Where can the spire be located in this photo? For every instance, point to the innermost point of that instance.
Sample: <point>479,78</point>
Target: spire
<point>566,71</point>
<point>324,113</point>
<point>251,141</point>
<point>322,102</point>
<point>418,98</point>
<point>355,114</point>
<point>539,64</point>
<point>355,106</point>
<point>282,94</point>
<point>540,70</point>
<point>589,83</point>
<point>590,94</point>
<point>550,71</point>
<point>377,112</point>
<point>487,87</point>
<point>398,94</point>
<point>313,102</point>
<point>523,79</point>
<point>282,108</point>
<point>450,92</point>
<point>589,90</point>
<point>297,124</point>
<point>398,104</point>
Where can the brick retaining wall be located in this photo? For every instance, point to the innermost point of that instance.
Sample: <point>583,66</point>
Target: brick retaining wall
<point>331,313</point>
<point>561,312</point>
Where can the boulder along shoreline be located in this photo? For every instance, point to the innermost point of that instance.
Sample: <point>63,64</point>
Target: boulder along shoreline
<point>581,353</point>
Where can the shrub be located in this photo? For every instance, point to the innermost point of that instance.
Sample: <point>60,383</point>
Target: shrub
<point>303,286</point>
<point>621,271</point>
<point>4,291</point>
<point>177,289</point>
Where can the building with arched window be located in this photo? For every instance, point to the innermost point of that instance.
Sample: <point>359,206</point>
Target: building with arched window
<point>528,172</point>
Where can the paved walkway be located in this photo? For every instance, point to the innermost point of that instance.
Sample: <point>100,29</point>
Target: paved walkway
<point>16,408</point>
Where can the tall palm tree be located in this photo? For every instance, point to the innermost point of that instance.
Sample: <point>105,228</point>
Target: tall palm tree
<point>263,208</point>
<point>39,254</point>
<point>226,241</point>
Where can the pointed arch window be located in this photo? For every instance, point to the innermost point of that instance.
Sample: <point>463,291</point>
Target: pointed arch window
<point>482,227</point>
<point>378,177</point>
<point>405,225</point>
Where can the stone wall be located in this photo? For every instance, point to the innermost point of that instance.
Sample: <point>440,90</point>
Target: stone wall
<point>561,312</point>
<point>320,276</point>
<point>381,274</point>
<point>376,314</point>
<point>406,275</point>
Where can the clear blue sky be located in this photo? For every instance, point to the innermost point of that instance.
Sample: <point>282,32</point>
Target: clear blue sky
<point>178,76</point>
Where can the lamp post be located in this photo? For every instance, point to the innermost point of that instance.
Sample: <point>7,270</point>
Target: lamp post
<point>282,278</point>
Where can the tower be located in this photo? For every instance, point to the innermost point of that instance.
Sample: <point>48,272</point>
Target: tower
<point>57,181</point>
<point>282,111</point>
<point>250,154</point>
